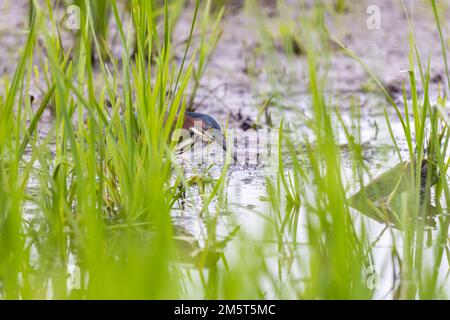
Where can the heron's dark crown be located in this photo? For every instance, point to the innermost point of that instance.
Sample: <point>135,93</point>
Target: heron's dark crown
<point>207,120</point>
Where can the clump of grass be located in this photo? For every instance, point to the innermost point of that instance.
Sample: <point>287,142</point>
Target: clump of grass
<point>339,252</point>
<point>111,168</point>
<point>409,189</point>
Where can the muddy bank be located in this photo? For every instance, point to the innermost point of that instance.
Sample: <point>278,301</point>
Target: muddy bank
<point>242,75</point>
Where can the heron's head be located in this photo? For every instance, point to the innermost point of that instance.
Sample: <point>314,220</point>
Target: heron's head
<point>208,129</point>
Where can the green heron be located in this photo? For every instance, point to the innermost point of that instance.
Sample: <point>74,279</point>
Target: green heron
<point>198,126</point>
<point>204,127</point>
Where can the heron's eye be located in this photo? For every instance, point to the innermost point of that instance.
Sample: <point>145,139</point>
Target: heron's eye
<point>210,133</point>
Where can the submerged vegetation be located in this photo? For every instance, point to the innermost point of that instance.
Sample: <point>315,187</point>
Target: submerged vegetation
<point>91,209</point>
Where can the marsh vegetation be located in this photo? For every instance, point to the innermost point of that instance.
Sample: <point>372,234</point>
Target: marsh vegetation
<point>335,184</point>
